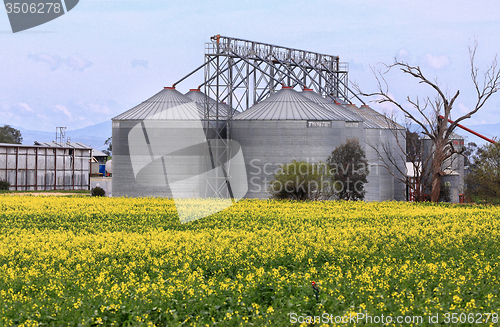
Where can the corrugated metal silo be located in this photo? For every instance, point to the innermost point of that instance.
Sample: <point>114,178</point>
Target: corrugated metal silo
<point>281,128</point>
<point>353,122</point>
<point>221,110</point>
<point>200,98</point>
<point>382,135</point>
<point>456,161</point>
<point>143,136</point>
<point>395,138</point>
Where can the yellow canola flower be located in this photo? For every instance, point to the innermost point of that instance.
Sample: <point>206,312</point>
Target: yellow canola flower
<point>118,261</point>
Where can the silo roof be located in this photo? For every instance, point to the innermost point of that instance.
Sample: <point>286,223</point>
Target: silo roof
<point>330,105</point>
<point>373,119</point>
<point>369,121</point>
<point>382,120</point>
<point>287,104</point>
<point>201,99</point>
<point>167,104</point>
<point>453,136</point>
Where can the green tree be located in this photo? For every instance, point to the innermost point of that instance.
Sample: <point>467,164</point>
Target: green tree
<point>469,153</point>
<point>300,180</point>
<point>348,169</point>
<point>483,180</point>
<point>10,135</point>
<point>413,145</point>
<point>445,194</point>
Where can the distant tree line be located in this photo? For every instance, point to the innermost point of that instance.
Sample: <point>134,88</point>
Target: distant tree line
<point>483,180</point>
<point>10,135</point>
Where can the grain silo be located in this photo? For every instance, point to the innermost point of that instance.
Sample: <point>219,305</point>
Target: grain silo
<point>382,137</point>
<point>353,123</point>
<point>200,98</point>
<point>279,127</point>
<point>215,110</point>
<point>146,135</point>
<point>284,127</point>
<point>395,141</point>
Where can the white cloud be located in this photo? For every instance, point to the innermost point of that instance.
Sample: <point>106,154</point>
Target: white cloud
<point>77,62</point>
<point>137,62</point>
<point>403,55</point>
<point>462,109</point>
<point>384,107</point>
<point>98,108</point>
<point>64,110</point>
<point>5,111</point>
<point>6,114</point>
<point>436,62</point>
<point>55,61</point>
<point>26,107</point>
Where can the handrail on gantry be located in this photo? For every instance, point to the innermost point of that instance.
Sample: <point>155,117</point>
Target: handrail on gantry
<point>217,38</point>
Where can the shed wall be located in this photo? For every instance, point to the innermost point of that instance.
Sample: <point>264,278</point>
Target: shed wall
<point>37,168</point>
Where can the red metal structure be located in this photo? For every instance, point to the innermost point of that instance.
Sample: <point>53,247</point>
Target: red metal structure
<point>470,131</point>
<point>461,196</point>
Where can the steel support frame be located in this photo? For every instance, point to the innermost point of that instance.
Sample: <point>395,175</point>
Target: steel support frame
<point>261,67</point>
<point>243,73</point>
<point>258,68</point>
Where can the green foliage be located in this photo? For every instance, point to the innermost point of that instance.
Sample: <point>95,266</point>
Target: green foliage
<point>483,180</point>
<point>469,152</point>
<point>4,185</point>
<point>445,192</point>
<point>349,169</point>
<point>97,191</point>
<point>10,135</point>
<point>414,146</point>
<point>300,180</point>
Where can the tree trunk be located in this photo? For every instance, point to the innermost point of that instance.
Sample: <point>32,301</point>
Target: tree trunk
<point>436,186</point>
<point>436,171</point>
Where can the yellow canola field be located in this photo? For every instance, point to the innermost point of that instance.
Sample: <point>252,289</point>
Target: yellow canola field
<point>68,261</point>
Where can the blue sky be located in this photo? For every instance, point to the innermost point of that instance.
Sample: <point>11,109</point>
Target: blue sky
<point>104,57</point>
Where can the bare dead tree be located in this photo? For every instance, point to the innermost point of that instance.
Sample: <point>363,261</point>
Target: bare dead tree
<point>428,112</point>
<point>408,148</point>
